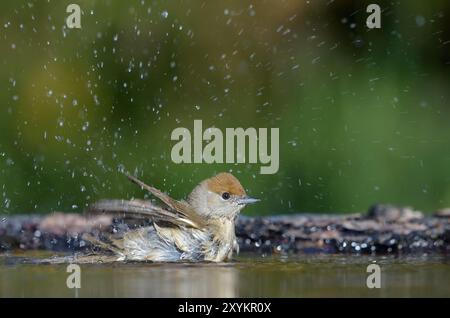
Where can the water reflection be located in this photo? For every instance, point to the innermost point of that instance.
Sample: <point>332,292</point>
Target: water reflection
<point>175,281</point>
<point>248,276</point>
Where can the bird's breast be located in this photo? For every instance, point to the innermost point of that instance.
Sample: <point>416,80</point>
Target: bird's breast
<point>220,248</point>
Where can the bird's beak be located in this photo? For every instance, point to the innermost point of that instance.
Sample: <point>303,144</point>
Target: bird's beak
<point>247,200</point>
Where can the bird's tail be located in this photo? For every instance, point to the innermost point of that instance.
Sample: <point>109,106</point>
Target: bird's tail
<point>110,246</point>
<point>68,259</point>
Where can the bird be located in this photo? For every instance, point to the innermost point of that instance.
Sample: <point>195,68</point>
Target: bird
<point>199,228</point>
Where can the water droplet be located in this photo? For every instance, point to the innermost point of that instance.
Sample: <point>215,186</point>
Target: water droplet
<point>85,126</point>
<point>420,21</point>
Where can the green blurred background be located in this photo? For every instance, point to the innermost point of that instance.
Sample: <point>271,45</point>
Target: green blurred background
<point>364,115</point>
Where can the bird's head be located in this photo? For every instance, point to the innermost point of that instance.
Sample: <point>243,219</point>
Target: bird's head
<point>220,196</point>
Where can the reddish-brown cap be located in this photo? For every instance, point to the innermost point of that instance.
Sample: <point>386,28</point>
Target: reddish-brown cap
<point>225,182</point>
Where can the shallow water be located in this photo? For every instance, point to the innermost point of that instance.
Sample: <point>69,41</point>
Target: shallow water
<point>247,276</point>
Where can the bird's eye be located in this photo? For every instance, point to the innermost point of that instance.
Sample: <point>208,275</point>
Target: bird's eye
<point>225,195</point>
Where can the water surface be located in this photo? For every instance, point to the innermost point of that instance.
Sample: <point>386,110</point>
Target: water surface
<point>247,276</point>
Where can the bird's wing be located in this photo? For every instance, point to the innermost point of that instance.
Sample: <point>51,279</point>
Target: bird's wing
<point>140,209</point>
<point>181,207</point>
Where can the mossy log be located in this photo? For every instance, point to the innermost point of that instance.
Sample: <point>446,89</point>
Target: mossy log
<point>384,229</point>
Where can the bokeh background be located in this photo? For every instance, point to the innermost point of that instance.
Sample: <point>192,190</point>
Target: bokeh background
<point>364,115</point>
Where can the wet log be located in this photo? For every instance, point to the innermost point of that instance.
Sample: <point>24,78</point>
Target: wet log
<point>384,229</point>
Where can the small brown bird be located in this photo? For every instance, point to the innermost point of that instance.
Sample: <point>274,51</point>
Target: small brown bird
<point>200,228</point>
